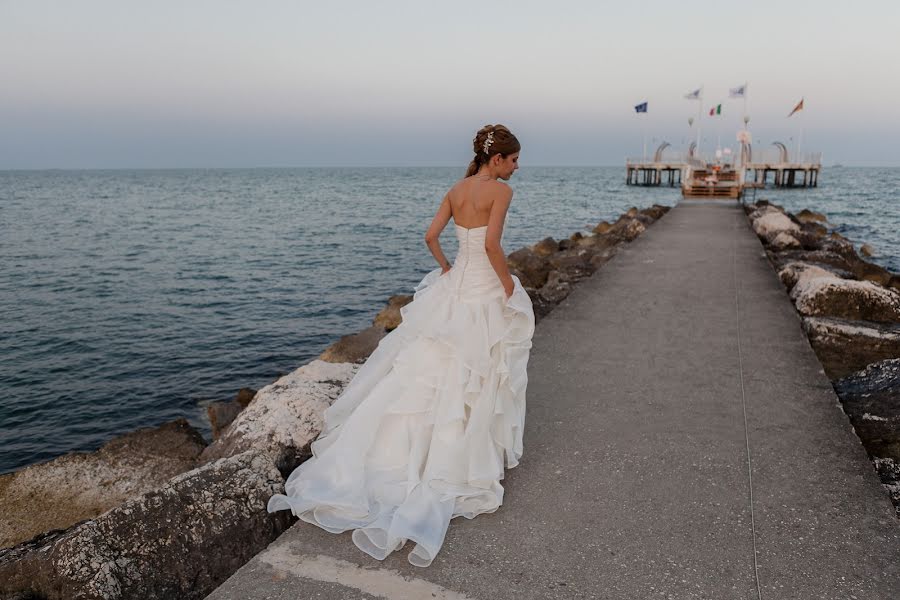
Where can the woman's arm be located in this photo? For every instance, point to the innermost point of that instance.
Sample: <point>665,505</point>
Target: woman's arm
<point>432,236</point>
<point>492,239</point>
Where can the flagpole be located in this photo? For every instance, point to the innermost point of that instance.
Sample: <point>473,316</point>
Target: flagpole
<point>745,107</point>
<point>699,118</point>
<point>644,119</point>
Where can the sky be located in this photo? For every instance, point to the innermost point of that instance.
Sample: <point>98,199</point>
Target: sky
<point>203,83</point>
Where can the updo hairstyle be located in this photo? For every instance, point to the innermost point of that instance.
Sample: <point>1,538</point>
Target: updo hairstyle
<point>491,140</point>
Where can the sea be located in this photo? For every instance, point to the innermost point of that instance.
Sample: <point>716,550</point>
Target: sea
<point>129,298</point>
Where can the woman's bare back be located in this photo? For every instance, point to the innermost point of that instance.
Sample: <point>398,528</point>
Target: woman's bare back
<point>471,200</point>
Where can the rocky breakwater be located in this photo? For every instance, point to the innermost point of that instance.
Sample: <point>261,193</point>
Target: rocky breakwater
<point>850,311</point>
<point>159,513</point>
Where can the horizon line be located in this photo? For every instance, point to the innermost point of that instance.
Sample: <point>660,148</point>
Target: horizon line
<point>397,166</point>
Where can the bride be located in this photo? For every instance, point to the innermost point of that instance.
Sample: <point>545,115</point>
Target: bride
<point>421,434</point>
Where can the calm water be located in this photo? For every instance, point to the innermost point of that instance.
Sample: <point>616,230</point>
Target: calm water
<point>130,298</point>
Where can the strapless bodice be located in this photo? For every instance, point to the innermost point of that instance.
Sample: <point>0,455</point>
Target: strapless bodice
<point>472,272</point>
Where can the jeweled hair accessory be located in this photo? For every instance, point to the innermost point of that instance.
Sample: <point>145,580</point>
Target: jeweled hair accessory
<point>488,142</point>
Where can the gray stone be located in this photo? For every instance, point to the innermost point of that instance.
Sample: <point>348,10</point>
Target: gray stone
<point>844,346</point>
<point>545,247</point>
<point>830,296</point>
<point>179,541</point>
<point>533,269</point>
<point>355,347</point>
<point>285,416</point>
<point>390,318</point>
<point>81,485</point>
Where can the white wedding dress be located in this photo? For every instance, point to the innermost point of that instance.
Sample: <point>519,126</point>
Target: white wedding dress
<point>422,432</point>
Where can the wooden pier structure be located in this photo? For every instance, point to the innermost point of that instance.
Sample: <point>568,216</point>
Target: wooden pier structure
<point>803,171</point>
<point>777,168</point>
<point>654,173</point>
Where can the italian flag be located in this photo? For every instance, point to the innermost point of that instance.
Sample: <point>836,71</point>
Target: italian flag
<point>715,110</point>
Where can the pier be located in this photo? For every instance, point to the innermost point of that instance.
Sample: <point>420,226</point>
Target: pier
<point>653,173</point>
<point>682,441</point>
<point>797,171</point>
<point>774,166</point>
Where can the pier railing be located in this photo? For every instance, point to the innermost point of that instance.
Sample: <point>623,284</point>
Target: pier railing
<point>773,156</point>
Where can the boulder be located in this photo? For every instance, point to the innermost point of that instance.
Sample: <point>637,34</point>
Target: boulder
<point>825,295</point>
<point>757,211</point>
<point>390,318</point>
<point>808,216</point>
<point>837,264</point>
<point>872,272</point>
<point>844,346</point>
<point>871,398</point>
<point>794,271</point>
<point>181,540</point>
<point>545,247</point>
<point>574,262</point>
<point>82,485</point>
<point>533,269</point>
<point>655,212</point>
<point>785,241</point>
<point>813,228</point>
<point>221,414</point>
<point>598,242</point>
<point>355,347</point>
<point>645,220</point>
<point>627,229</point>
<point>602,227</point>
<point>866,250</point>
<point>286,416</point>
<point>770,224</point>
<point>556,288</point>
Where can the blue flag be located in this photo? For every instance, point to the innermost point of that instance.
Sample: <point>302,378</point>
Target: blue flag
<point>642,107</point>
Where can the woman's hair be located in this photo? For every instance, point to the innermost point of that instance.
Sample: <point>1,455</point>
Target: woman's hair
<point>491,140</point>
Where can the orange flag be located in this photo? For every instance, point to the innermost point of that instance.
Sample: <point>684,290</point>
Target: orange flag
<point>798,107</point>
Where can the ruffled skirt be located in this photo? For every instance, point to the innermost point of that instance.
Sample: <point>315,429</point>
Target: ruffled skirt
<point>423,431</point>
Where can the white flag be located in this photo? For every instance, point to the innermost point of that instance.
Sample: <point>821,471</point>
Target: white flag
<point>738,92</point>
<point>695,95</point>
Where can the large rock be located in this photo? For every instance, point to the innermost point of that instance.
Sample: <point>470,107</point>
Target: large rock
<point>655,212</point>
<point>785,241</point>
<point>817,292</point>
<point>179,541</point>
<point>355,347</point>
<point>808,216</point>
<point>627,229</point>
<point>871,399</point>
<point>221,414</point>
<point>390,318</point>
<point>602,227</point>
<point>556,288</point>
<point>837,264</point>
<point>285,416</point>
<point>574,262</point>
<point>770,224</point>
<point>795,271</point>
<point>545,247</point>
<point>532,269</point>
<point>82,485</point>
<point>846,346</point>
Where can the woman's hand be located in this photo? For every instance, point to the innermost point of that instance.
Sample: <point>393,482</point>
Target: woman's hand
<point>509,288</point>
<point>444,269</point>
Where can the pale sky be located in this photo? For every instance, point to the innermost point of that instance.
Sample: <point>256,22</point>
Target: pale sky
<point>218,83</point>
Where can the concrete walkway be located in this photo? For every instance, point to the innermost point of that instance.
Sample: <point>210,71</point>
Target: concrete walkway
<point>681,442</point>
